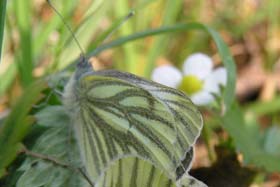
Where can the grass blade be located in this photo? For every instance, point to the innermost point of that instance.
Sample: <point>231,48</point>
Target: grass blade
<point>7,78</point>
<point>25,57</point>
<point>172,8</point>
<point>17,124</point>
<point>2,23</point>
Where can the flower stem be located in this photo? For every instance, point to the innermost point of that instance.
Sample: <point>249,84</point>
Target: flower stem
<point>206,134</point>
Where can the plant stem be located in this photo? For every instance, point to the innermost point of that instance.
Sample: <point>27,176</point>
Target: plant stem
<point>206,132</point>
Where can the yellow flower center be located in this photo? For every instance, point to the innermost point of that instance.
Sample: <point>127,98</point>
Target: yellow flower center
<point>191,84</point>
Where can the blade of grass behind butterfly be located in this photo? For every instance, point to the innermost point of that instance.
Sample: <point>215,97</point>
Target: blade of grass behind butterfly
<point>9,74</point>
<point>223,50</point>
<point>2,23</point>
<point>46,28</point>
<point>7,78</point>
<point>100,39</point>
<point>24,60</point>
<point>16,125</point>
<point>172,9</point>
<point>144,16</point>
<point>67,12</point>
<point>139,21</point>
<point>84,34</point>
<point>91,12</point>
<point>273,21</point>
<point>130,52</point>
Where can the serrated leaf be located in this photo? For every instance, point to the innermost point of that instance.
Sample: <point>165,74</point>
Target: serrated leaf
<point>57,142</point>
<point>52,116</point>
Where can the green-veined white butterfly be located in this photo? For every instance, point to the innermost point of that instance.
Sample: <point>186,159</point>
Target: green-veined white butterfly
<point>117,114</point>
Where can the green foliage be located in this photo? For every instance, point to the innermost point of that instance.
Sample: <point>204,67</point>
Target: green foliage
<point>54,142</point>
<point>272,141</point>
<point>25,57</point>
<point>17,124</point>
<point>248,140</point>
<point>262,108</point>
<point>7,78</point>
<point>2,23</point>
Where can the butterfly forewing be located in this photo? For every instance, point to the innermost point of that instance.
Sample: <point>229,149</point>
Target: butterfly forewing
<point>188,120</point>
<point>118,114</point>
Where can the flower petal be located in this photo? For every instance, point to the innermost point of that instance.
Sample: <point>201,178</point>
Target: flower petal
<point>167,75</point>
<point>199,65</point>
<point>220,75</point>
<point>213,80</point>
<point>202,98</point>
<point>211,84</point>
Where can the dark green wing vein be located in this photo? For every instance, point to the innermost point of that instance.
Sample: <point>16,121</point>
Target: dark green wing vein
<point>117,114</point>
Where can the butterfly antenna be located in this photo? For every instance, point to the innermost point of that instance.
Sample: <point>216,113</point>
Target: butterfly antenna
<point>68,27</point>
<point>119,25</point>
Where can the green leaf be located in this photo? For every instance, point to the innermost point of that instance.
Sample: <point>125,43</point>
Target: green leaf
<point>172,8</point>
<point>228,95</point>
<point>52,116</point>
<point>17,124</point>
<point>272,141</point>
<point>55,143</point>
<point>2,23</point>
<point>265,107</point>
<point>132,171</point>
<point>247,138</point>
<point>116,114</point>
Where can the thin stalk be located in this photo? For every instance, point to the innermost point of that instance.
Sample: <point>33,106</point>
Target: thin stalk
<point>2,23</point>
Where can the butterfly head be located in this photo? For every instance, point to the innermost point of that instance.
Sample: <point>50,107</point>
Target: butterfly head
<point>83,66</point>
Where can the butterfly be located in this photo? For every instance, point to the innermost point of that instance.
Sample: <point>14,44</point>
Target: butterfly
<point>117,114</point>
<point>130,131</point>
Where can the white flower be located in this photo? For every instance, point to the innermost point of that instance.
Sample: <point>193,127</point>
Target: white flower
<point>198,80</point>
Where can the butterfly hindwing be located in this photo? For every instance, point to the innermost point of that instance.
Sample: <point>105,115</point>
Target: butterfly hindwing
<point>132,171</point>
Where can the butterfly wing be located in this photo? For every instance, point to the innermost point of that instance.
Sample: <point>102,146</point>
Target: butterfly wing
<point>116,114</point>
<point>136,172</point>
